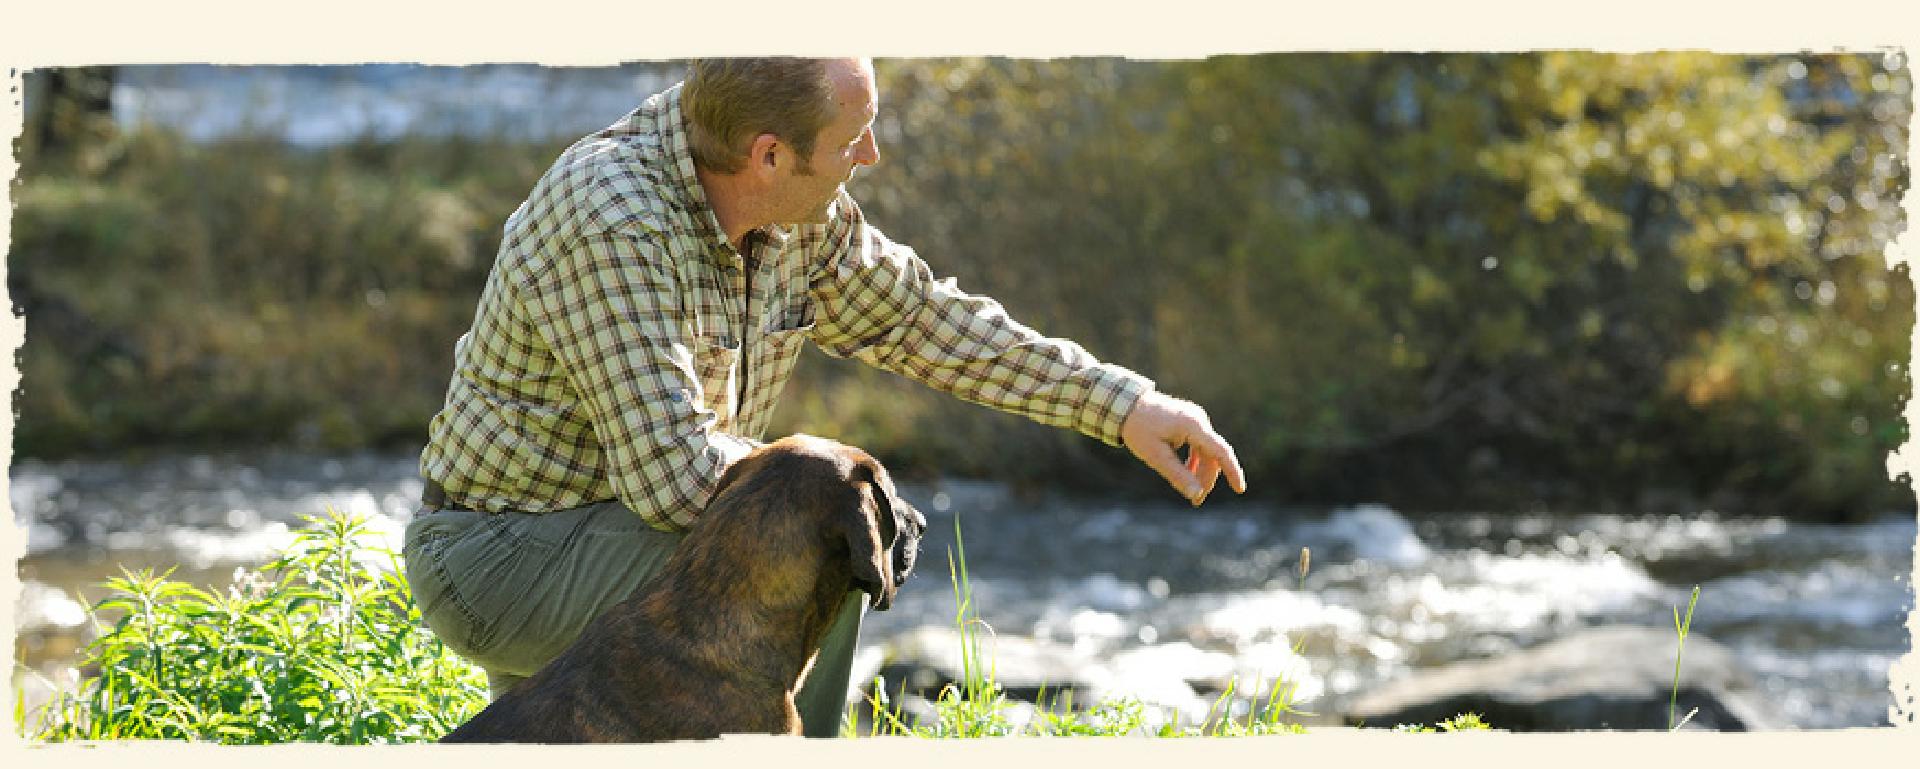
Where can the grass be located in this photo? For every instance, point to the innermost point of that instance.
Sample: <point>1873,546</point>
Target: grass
<point>315,647</point>
<point>1682,628</point>
<point>325,644</point>
<point>1464,722</point>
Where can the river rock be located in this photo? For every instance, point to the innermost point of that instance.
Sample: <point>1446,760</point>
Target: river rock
<point>924,660</point>
<point>1605,678</point>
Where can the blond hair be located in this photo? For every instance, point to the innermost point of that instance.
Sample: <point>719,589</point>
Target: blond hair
<point>728,102</point>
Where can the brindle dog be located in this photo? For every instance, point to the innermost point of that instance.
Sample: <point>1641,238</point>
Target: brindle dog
<point>719,641</point>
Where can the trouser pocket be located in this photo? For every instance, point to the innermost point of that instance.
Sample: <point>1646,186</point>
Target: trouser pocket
<point>510,591</point>
<point>473,575</point>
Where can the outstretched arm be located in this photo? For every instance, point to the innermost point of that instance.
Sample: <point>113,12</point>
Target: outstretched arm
<point>880,304</point>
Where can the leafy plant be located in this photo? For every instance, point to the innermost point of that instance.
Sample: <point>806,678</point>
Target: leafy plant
<point>321,645</point>
<point>1464,722</point>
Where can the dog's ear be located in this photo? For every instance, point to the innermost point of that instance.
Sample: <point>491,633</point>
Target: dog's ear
<point>870,529</point>
<point>886,516</point>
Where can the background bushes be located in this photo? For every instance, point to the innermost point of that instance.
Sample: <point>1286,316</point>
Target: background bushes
<point>1570,280</point>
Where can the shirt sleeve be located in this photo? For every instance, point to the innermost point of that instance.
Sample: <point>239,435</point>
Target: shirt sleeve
<point>880,304</point>
<point>609,309</point>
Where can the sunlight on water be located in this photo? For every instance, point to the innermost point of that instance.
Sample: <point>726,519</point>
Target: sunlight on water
<point>1372,533</point>
<point>1832,593</point>
<point>1488,591</point>
<point>1243,619</point>
<point>1168,605</point>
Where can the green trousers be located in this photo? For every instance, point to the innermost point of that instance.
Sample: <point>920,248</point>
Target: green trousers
<point>510,591</point>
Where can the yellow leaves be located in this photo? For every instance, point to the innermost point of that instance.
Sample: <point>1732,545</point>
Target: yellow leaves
<point>1553,183</point>
<point>1726,364</point>
<point>1708,383</point>
<point>1604,220</point>
<point>1660,167</point>
<point>1568,102</point>
<point>447,221</point>
<point>1429,289</point>
<point>1542,204</point>
<point>1591,324</point>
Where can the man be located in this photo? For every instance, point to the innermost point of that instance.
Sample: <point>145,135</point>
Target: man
<point>646,307</point>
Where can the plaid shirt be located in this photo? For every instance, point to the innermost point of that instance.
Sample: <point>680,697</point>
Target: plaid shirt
<point>622,348</point>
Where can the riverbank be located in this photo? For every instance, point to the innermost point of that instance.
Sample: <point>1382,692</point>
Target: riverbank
<point>1815,611</point>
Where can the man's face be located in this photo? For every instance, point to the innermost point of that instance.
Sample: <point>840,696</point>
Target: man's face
<point>845,143</point>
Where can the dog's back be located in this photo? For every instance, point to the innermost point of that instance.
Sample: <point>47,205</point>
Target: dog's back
<point>569,702</point>
<point>692,654</point>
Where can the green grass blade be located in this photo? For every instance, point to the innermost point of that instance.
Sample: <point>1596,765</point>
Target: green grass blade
<point>1682,628</point>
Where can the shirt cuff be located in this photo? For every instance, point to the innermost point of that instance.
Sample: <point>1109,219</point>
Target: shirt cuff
<point>1110,398</point>
<point>732,448</point>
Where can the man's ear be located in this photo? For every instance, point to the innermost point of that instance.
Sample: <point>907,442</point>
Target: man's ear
<point>763,156</point>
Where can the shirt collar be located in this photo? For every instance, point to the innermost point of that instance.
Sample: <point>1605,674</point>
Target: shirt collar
<point>674,137</point>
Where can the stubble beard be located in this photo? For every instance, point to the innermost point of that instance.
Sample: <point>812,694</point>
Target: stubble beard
<point>821,212</point>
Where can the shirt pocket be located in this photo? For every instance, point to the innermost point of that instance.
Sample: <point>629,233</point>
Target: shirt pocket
<point>773,358</point>
<point>716,359</point>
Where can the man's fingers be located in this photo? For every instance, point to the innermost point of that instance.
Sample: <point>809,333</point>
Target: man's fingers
<point>1161,458</point>
<point>1216,449</point>
<point>1160,426</point>
<point>1209,474</point>
<point>1204,471</point>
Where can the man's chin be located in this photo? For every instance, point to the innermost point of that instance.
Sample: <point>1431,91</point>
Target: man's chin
<point>822,213</point>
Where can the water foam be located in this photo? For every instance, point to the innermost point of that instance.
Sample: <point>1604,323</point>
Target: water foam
<point>1373,532</point>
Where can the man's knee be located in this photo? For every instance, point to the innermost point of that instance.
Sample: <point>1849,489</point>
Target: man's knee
<point>499,683</point>
<point>509,591</point>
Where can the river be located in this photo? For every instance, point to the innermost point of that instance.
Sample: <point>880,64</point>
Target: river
<point>1816,611</point>
<point>312,106</point>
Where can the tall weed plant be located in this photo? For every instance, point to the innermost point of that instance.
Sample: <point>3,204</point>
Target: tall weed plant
<point>318,646</point>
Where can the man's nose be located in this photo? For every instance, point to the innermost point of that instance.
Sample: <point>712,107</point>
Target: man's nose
<point>869,150</point>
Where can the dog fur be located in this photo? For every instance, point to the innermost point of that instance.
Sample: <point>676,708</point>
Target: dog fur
<point>720,640</point>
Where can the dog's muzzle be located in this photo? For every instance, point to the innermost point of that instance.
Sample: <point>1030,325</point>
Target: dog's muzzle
<point>906,548</point>
<point>904,551</point>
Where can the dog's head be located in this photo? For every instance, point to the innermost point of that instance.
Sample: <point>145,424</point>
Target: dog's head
<point>883,536</point>
<point>853,501</point>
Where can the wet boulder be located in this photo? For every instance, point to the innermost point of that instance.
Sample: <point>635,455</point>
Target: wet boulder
<point>922,661</point>
<point>1604,678</point>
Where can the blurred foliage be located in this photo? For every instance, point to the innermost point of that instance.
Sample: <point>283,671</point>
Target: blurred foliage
<point>244,291</point>
<point>1565,279</point>
<point>1648,282</point>
<point>74,113</point>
